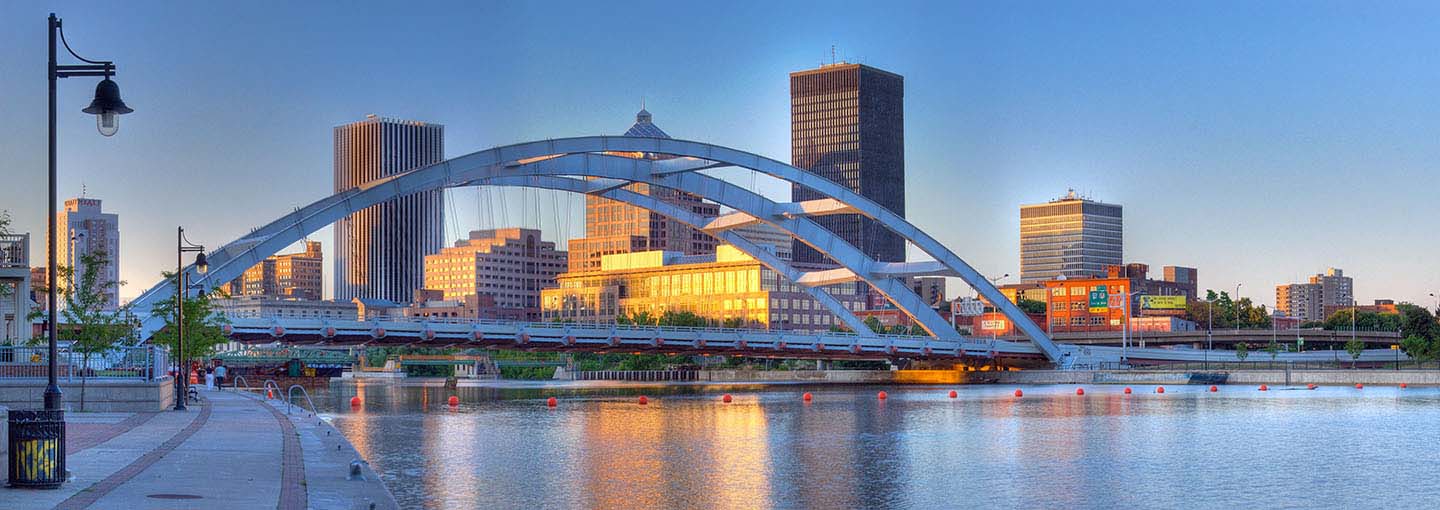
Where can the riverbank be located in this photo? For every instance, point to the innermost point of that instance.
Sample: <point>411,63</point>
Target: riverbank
<point>1286,377</point>
<point>230,451</point>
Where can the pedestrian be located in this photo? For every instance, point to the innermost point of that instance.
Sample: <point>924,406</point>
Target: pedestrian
<point>209,378</point>
<point>220,372</point>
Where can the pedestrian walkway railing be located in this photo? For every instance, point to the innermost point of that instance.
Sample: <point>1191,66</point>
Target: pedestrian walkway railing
<point>637,375</point>
<point>290,399</point>
<point>143,363</point>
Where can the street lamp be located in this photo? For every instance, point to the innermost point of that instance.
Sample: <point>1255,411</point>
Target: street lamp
<point>107,107</point>
<point>182,289</point>
<point>1236,302</point>
<point>1209,328</point>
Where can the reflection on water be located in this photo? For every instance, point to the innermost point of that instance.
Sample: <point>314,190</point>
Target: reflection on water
<point>502,448</point>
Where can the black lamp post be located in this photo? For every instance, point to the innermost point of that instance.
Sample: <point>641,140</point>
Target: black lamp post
<point>44,468</point>
<point>182,290</point>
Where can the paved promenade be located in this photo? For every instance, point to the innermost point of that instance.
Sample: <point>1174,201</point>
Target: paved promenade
<point>231,451</point>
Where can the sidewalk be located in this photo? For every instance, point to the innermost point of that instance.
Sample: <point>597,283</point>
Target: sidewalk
<point>231,451</point>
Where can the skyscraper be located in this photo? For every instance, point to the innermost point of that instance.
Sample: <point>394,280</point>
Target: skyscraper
<point>380,251</point>
<point>1070,236</point>
<point>847,124</point>
<point>82,228</point>
<point>616,227</point>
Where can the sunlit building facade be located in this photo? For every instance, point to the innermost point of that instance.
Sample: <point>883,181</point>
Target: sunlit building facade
<point>727,286</point>
<point>380,251</point>
<point>291,275</point>
<point>847,124</point>
<point>1070,236</point>
<point>83,228</point>
<point>511,265</point>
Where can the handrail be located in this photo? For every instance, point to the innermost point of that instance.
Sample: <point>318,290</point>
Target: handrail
<point>290,398</point>
<point>235,384</point>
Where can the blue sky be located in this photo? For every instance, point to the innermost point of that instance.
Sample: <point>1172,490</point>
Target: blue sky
<point>1257,141</point>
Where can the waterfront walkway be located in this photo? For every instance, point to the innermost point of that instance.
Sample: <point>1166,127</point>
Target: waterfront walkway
<point>231,451</point>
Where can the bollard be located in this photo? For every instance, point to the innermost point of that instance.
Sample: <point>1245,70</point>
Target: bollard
<point>357,471</point>
<point>37,448</point>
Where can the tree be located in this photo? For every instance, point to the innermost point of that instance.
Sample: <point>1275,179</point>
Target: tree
<point>203,327</point>
<point>1242,351</point>
<point>1354,348</point>
<point>1273,348</point>
<point>93,328</point>
<point>874,324</point>
<point>1031,306</point>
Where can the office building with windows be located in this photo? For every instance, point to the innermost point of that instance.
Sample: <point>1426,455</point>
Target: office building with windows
<point>83,228</point>
<point>289,275</point>
<point>511,265</point>
<point>847,124</point>
<point>1070,236</point>
<point>380,251</point>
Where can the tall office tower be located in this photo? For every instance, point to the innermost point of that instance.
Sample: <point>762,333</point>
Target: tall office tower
<point>290,275</point>
<point>82,228</point>
<point>616,227</point>
<point>1070,236</point>
<point>847,124</point>
<point>380,251</point>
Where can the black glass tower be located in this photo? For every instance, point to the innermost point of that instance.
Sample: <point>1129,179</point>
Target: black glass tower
<point>847,123</point>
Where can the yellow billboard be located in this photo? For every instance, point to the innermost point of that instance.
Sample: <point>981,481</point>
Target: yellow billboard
<point>1162,302</point>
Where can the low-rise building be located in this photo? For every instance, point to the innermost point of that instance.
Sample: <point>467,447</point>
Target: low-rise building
<point>511,265</point>
<point>289,275</point>
<point>273,306</point>
<point>727,286</point>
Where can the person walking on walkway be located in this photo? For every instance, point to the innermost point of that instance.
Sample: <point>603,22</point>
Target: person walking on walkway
<point>209,378</point>
<point>220,371</point>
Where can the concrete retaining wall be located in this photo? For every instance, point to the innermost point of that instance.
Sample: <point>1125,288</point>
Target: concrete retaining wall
<point>1343,377</point>
<point>848,376</point>
<point>101,395</point>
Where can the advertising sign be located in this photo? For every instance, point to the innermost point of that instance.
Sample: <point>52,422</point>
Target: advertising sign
<point>1162,302</point>
<point>992,324</point>
<point>1117,301</point>
<point>1099,300</point>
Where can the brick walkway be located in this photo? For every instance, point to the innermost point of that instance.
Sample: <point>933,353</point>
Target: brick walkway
<point>89,496</point>
<point>292,465</point>
<point>81,436</point>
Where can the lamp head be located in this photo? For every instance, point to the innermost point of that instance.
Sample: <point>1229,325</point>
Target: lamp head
<point>200,264</point>
<point>107,107</point>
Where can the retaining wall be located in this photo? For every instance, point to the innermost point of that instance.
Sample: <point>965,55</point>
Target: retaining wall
<point>1344,377</point>
<point>101,395</point>
<point>849,376</point>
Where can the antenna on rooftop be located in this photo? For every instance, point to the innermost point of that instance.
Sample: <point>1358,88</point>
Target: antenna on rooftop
<point>832,54</point>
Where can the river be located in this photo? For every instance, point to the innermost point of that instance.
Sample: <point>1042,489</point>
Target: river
<point>1335,447</point>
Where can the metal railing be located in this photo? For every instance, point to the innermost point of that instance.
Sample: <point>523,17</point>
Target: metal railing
<point>290,399</point>
<point>637,375</point>
<point>145,363</point>
<point>15,250</point>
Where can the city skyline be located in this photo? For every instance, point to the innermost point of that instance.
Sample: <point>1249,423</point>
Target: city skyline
<point>1241,229</point>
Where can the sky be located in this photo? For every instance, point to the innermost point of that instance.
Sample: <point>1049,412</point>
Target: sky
<point>1259,142</point>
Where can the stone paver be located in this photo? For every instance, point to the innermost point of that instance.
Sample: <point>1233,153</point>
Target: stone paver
<point>93,430</point>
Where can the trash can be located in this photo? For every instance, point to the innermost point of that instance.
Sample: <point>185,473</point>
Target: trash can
<point>37,448</point>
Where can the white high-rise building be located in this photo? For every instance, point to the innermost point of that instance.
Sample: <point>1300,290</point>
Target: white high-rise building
<point>82,228</point>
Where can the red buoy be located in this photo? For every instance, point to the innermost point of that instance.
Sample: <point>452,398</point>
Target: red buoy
<point>1310,386</point>
<point>354,401</point>
<point>725,398</point>
<point>806,397</point>
<point>551,402</point>
<point>454,400</point>
<point>1403,385</point>
<point>1019,393</point>
<point>1213,389</point>
<point>1264,388</point>
<point>1079,391</point>
<point>1160,389</point>
<point>1359,386</point>
<point>1127,390</point>
<point>643,400</point>
<point>953,394</point>
<point>881,395</point>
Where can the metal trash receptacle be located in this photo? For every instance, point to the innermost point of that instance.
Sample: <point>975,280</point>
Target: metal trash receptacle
<point>37,448</point>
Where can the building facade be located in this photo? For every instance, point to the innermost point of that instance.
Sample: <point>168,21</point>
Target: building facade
<point>511,265</point>
<point>616,227</point>
<point>82,228</point>
<point>1330,290</point>
<point>847,124</point>
<point>727,287</point>
<point>273,306</point>
<point>1070,236</point>
<point>1336,289</point>
<point>291,275</point>
<point>380,251</point>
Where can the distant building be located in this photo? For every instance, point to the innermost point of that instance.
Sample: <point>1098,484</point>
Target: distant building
<point>1381,306</point>
<point>1070,236</point>
<point>1310,301</point>
<point>291,275</point>
<point>1183,284</point>
<point>616,227</point>
<point>83,228</point>
<point>726,286</point>
<point>380,250</point>
<point>432,303</point>
<point>1034,291</point>
<point>273,306</point>
<point>931,289</point>
<point>511,265</point>
<point>847,124</point>
<point>768,237</point>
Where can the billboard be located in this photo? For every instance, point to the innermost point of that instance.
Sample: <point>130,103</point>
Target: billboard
<point>1099,300</point>
<point>1162,302</point>
<point>992,325</point>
